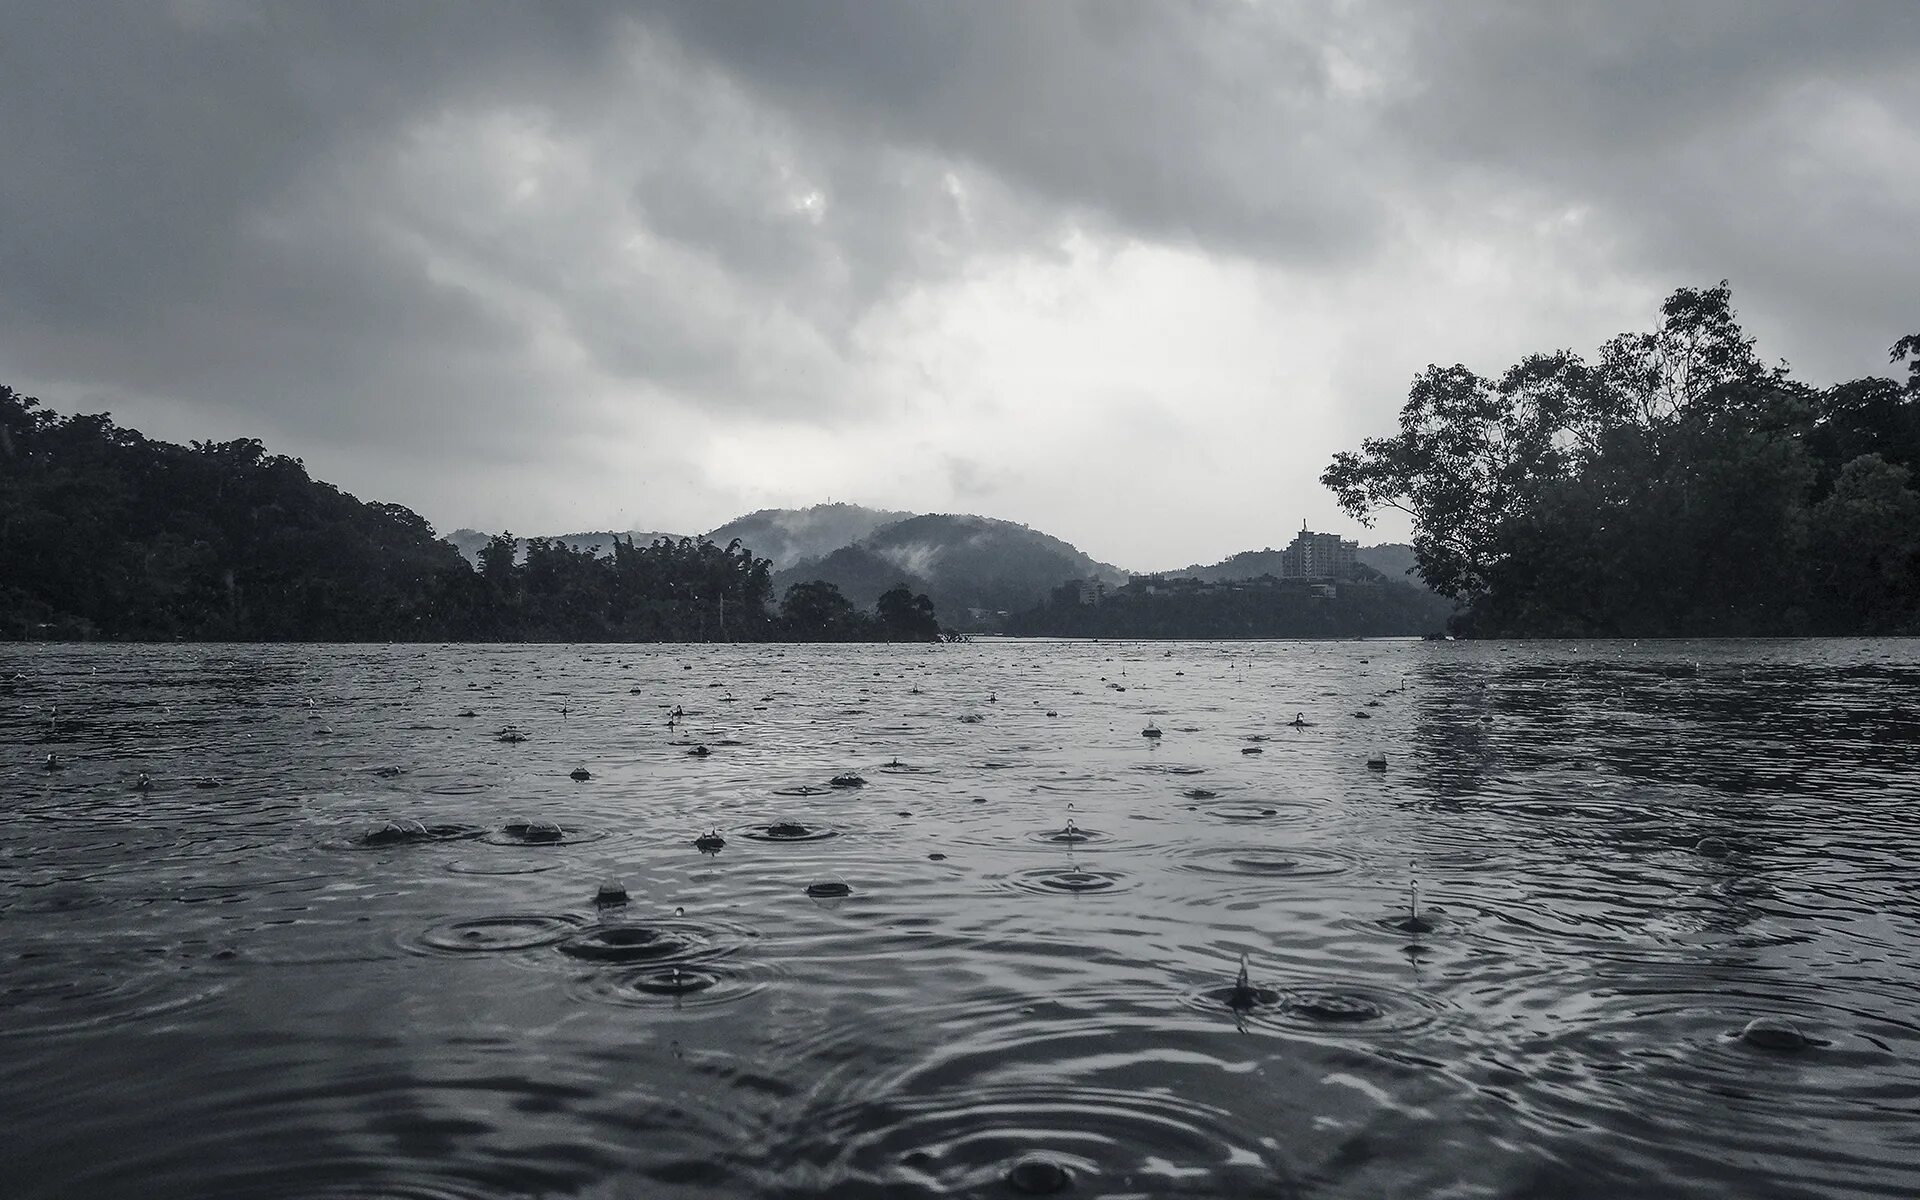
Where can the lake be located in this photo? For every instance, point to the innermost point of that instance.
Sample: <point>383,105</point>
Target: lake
<point>347,941</point>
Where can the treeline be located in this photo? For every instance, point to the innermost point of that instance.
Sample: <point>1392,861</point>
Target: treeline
<point>1677,485</point>
<point>667,591</point>
<point>1255,608</point>
<point>105,533</point>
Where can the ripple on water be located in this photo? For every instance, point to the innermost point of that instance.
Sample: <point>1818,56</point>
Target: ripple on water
<point>1335,1007</point>
<point>1263,862</point>
<point>504,932</point>
<point>96,985</point>
<point>1070,880</point>
<point>634,944</point>
<point>400,1131</point>
<point>473,866</point>
<point>1637,855</point>
<point>973,1140</point>
<point>664,942</point>
<point>1260,810</point>
<point>457,787</point>
<point>1667,1050</point>
<point>673,985</point>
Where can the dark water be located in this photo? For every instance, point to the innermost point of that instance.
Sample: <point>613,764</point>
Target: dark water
<point>213,987</point>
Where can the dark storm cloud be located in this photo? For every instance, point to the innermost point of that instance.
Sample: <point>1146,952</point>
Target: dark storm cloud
<point>1208,121</point>
<point>484,232</point>
<point>174,223</point>
<point>140,136</point>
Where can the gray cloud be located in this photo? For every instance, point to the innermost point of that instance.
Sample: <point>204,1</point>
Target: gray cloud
<point>601,251</point>
<point>1211,122</point>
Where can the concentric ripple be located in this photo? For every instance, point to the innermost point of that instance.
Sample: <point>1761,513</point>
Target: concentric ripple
<point>1070,880</point>
<point>667,941</point>
<point>688,985</point>
<point>1108,1140</point>
<point>633,944</point>
<point>1351,1007</point>
<point>1263,862</point>
<point>510,931</point>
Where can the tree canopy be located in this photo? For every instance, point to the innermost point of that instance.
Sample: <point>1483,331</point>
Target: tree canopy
<point>1674,485</point>
<point>105,533</point>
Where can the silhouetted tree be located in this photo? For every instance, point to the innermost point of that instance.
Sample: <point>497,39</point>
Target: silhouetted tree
<point>817,612</point>
<point>906,617</point>
<point>1676,485</point>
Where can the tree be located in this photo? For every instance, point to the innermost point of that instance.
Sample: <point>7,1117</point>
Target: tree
<point>1664,488</point>
<point>1866,547</point>
<point>496,557</point>
<point>817,612</point>
<point>906,617</point>
<point>1908,348</point>
<point>1474,457</point>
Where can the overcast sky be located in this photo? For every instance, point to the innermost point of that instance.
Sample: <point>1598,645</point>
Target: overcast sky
<point>1126,272</point>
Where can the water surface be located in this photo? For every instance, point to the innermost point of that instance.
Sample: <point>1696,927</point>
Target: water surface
<point>1018,933</point>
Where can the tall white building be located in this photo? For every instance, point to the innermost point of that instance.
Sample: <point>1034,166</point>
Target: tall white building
<point>1318,556</point>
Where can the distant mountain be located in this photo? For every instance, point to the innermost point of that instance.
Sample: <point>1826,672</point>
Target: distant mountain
<point>789,535</point>
<point>1392,559</point>
<point>469,542</point>
<point>860,574</point>
<point>1248,564</point>
<point>972,568</point>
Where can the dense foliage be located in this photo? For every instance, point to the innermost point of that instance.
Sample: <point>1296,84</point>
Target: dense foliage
<point>105,533</point>
<point>1675,486</point>
<point>1153,607</point>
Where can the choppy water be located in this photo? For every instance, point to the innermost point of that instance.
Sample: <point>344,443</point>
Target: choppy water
<point>215,987</point>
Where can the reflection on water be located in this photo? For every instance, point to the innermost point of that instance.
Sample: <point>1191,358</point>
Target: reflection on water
<point>1615,920</point>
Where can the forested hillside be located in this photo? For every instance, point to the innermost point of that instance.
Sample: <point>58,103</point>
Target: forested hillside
<point>106,533</point>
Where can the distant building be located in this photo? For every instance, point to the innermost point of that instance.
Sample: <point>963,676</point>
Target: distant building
<point>1318,556</point>
<point>1086,591</point>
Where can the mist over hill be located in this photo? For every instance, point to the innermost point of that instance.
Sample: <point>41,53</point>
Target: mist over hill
<point>973,568</point>
<point>469,542</point>
<point>786,536</point>
<point>783,536</point>
<point>1392,559</point>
